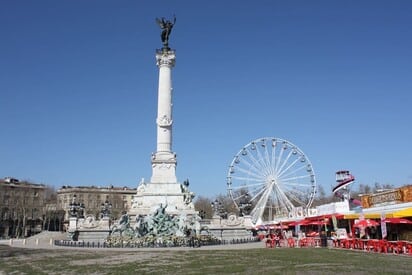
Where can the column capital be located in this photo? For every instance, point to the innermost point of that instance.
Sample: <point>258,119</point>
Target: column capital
<point>165,57</point>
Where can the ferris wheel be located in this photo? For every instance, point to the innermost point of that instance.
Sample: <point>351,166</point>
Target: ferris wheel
<point>274,176</point>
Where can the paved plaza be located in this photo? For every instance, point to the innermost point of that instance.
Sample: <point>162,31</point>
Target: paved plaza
<point>45,240</point>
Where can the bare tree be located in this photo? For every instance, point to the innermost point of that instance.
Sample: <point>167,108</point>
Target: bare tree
<point>322,197</point>
<point>202,204</point>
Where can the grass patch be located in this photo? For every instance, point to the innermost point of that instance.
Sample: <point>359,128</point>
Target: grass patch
<point>193,261</point>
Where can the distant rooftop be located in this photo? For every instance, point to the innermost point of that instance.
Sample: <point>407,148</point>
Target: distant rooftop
<point>13,182</point>
<point>93,187</point>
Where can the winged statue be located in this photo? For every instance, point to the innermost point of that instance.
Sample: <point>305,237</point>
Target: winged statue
<point>166,26</point>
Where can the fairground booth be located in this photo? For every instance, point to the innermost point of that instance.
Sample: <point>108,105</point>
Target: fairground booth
<point>381,223</point>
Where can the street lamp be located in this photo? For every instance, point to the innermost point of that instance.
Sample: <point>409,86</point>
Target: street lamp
<point>76,209</point>
<point>215,207</point>
<point>218,209</point>
<point>106,208</point>
<point>245,205</point>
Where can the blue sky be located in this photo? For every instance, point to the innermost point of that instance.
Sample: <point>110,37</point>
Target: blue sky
<point>78,87</point>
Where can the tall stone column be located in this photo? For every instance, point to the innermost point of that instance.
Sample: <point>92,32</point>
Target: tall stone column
<point>164,160</point>
<point>163,190</point>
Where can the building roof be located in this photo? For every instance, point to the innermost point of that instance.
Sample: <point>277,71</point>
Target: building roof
<point>21,184</point>
<point>69,189</point>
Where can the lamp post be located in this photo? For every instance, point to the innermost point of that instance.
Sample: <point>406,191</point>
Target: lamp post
<point>216,206</point>
<point>76,209</point>
<point>105,209</point>
<point>245,205</point>
<point>218,209</point>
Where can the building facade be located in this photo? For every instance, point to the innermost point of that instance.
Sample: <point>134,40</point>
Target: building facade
<point>21,208</point>
<point>92,198</point>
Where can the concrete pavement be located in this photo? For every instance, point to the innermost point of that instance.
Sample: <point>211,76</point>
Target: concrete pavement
<point>45,240</point>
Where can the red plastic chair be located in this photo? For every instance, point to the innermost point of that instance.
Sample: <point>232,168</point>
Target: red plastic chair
<point>370,245</point>
<point>348,244</point>
<point>399,247</point>
<point>303,242</point>
<point>361,244</point>
<point>291,242</point>
<point>310,242</point>
<point>383,246</point>
<point>392,247</point>
<point>352,244</point>
<point>270,243</point>
<point>409,249</point>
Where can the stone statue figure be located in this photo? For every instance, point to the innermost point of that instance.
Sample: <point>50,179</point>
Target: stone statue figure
<point>124,219</point>
<point>123,225</point>
<point>166,27</point>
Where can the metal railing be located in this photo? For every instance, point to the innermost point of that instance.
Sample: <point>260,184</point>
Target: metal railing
<point>135,244</point>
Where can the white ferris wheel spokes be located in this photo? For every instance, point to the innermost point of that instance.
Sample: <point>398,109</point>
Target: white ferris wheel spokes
<point>276,176</point>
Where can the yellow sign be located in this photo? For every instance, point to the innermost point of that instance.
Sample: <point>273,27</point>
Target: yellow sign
<point>400,195</point>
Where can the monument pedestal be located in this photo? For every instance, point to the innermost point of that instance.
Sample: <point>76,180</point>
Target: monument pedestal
<point>90,229</point>
<point>105,222</point>
<point>231,228</point>
<point>72,224</point>
<point>150,196</point>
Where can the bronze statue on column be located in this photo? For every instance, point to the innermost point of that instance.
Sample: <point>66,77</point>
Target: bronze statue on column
<point>166,26</point>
